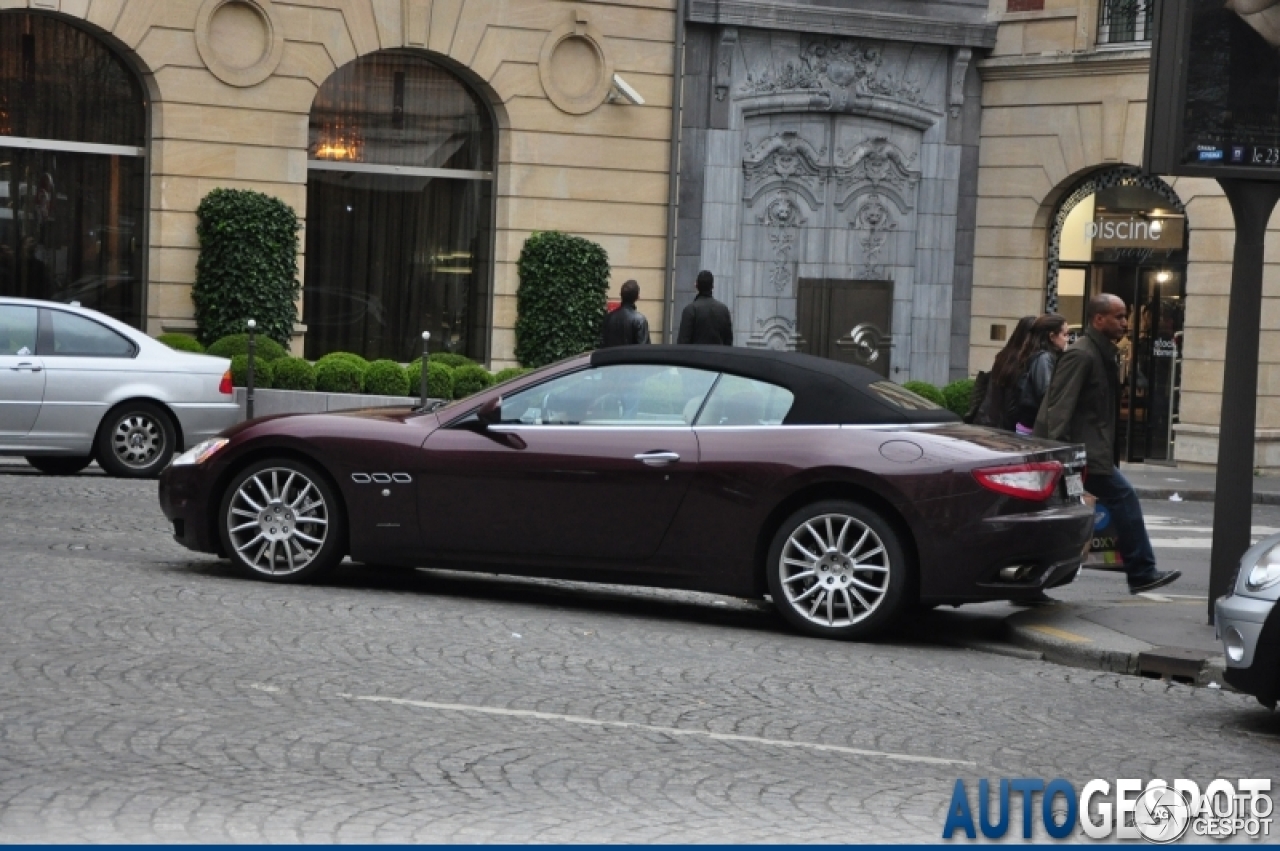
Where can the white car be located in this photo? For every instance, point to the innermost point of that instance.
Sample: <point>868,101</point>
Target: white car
<point>76,386</point>
<point>1247,619</point>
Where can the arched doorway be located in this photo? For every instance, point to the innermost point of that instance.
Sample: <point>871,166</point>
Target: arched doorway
<point>72,168</point>
<point>399,211</point>
<point>1124,232</point>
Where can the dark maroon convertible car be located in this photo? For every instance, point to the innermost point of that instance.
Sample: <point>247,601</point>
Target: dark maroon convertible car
<point>841,495</point>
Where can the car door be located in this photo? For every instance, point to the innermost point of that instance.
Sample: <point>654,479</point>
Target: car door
<point>85,364</point>
<point>22,373</point>
<point>593,464</point>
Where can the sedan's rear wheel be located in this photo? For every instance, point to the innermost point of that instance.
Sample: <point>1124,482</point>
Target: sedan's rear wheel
<point>59,465</point>
<point>136,441</point>
<point>837,569</point>
<point>281,521</point>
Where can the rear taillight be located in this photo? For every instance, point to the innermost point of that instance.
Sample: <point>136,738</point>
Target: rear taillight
<point>224,386</point>
<point>1034,481</point>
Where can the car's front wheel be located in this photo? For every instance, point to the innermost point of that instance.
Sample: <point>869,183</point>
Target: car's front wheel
<point>59,465</point>
<point>136,441</point>
<point>837,569</point>
<point>280,520</point>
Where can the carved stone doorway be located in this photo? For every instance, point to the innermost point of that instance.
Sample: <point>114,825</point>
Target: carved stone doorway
<point>847,321</point>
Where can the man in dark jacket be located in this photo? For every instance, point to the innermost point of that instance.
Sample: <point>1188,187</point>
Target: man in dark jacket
<point>625,326</point>
<point>1082,406</point>
<point>706,321</point>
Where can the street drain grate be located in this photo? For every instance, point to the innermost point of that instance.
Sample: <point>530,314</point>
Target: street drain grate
<point>1173,664</point>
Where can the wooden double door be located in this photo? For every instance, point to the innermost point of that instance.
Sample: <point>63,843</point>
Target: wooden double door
<point>847,320</point>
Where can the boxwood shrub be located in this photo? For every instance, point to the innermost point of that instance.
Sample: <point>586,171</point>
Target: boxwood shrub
<point>439,379</point>
<point>339,374</point>
<point>386,378</point>
<point>510,373</point>
<point>928,391</point>
<point>453,360</point>
<point>561,298</point>
<point>263,375</point>
<point>238,344</point>
<point>181,342</point>
<point>293,374</point>
<point>958,395</point>
<point>471,379</point>
<point>347,356</point>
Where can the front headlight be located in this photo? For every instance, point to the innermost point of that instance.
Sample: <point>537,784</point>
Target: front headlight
<point>1266,572</point>
<point>201,452</point>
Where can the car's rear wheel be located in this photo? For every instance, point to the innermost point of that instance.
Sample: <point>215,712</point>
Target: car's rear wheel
<point>60,465</point>
<point>136,441</point>
<point>837,569</point>
<point>282,521</point>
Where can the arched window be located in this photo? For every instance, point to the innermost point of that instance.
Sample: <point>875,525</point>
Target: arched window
<point>72,167</point>
<point>399,202</point>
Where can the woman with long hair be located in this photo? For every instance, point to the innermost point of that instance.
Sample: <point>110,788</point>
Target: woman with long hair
<point>1044,345</point>
<point>998,400</point>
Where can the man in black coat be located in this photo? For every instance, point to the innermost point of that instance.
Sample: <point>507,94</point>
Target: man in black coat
<point>625,326</point>
<point>706,321</point>
<point>1083,406</point>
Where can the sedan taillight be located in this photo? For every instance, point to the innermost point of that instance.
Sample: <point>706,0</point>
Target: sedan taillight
<point>1034,481</point>
<point>224,386</point>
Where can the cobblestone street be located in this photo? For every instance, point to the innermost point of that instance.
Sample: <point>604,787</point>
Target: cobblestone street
<point>147,693</point>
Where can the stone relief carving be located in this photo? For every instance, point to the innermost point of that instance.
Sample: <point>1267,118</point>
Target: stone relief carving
<point>782,218</point>
<point>839,68</point>
<point>878,162</point>
<point>776,332</point>
<point>785,157</point>
<point>875,222</point>
<point>724,64</point>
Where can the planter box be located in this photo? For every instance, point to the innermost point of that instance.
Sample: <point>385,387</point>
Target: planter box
<point>268,402</point>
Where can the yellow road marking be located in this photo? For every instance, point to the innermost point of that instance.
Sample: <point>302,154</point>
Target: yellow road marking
<point>1062,633</point>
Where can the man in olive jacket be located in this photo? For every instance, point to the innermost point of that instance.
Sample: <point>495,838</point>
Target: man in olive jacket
<point>1082,406</point>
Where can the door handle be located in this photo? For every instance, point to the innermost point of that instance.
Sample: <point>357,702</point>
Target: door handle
<point>27,366</point>
<point>658,458</point>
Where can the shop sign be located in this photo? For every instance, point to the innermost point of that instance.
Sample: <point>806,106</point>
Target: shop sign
<point>1131,231</point>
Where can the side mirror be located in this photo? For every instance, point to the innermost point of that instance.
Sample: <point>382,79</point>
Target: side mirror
<point>490,413</point>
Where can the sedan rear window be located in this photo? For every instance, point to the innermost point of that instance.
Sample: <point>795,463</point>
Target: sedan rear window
<point>76,336</point>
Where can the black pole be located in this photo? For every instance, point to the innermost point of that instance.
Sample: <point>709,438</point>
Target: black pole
<point>248,391</point>
<point>1251,204</point>
<point>426,359</point>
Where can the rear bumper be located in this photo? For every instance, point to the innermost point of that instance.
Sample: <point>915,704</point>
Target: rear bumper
<point>1257,622</point>
<point>201,421</point>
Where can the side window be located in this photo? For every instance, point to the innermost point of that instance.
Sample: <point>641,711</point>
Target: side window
<point>745,402</point>
<point>623,395</point>
<point>18,329</point>
<point>75,335</point>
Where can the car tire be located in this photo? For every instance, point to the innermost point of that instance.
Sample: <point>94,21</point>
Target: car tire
<point>281,521</point>
<point>136,441</point>
<point>837,569</point>
<point>60,465</point>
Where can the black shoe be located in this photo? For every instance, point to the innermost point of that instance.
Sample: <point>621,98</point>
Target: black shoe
<point>1159,579</point>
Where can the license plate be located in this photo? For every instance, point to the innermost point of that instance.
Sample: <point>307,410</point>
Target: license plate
<point>1075,485</point>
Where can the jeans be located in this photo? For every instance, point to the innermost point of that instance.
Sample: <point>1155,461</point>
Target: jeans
<point>1117,495</point>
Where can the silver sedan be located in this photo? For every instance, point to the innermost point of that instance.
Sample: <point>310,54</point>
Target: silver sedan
<point>76,386</point>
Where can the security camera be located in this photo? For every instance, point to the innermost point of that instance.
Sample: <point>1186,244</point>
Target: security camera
<point>622,90</point>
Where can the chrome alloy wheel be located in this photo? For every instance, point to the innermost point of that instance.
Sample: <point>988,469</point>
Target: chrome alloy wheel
<point>138,440</point>
<point>277,521</point>
<point>834,570</point>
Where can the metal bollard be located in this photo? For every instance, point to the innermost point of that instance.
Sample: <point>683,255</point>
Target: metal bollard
<point>248,381</point>
<point>422,381</point>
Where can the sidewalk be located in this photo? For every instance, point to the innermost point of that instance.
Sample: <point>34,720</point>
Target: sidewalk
<point>1156,481</point>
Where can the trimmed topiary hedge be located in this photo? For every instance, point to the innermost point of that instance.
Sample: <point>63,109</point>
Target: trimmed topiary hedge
<point>339,374</point>
<point>293,374</point>
<point>453,360</point>
<point>386,378</point>
<point>248,265</point>
<point>263,374</point>
<point>181,342</point>
<point>957,395</point>
<point>927,390</point>
<point>439,379</point>
<point>468,380</point>
<point>510,373</point>
<point>561,299</point>
<point>264,348</point>
<point>347,356</point>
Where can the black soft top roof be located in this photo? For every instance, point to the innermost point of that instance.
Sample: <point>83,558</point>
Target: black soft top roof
<point>826,392</point>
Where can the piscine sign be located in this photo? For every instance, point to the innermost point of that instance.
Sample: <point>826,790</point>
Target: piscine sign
<point>1134,232</point>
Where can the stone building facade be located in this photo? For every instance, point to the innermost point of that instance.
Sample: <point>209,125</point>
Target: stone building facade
<point>828,176</point>
<point>1065,210</point>
<point>230,95</point>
